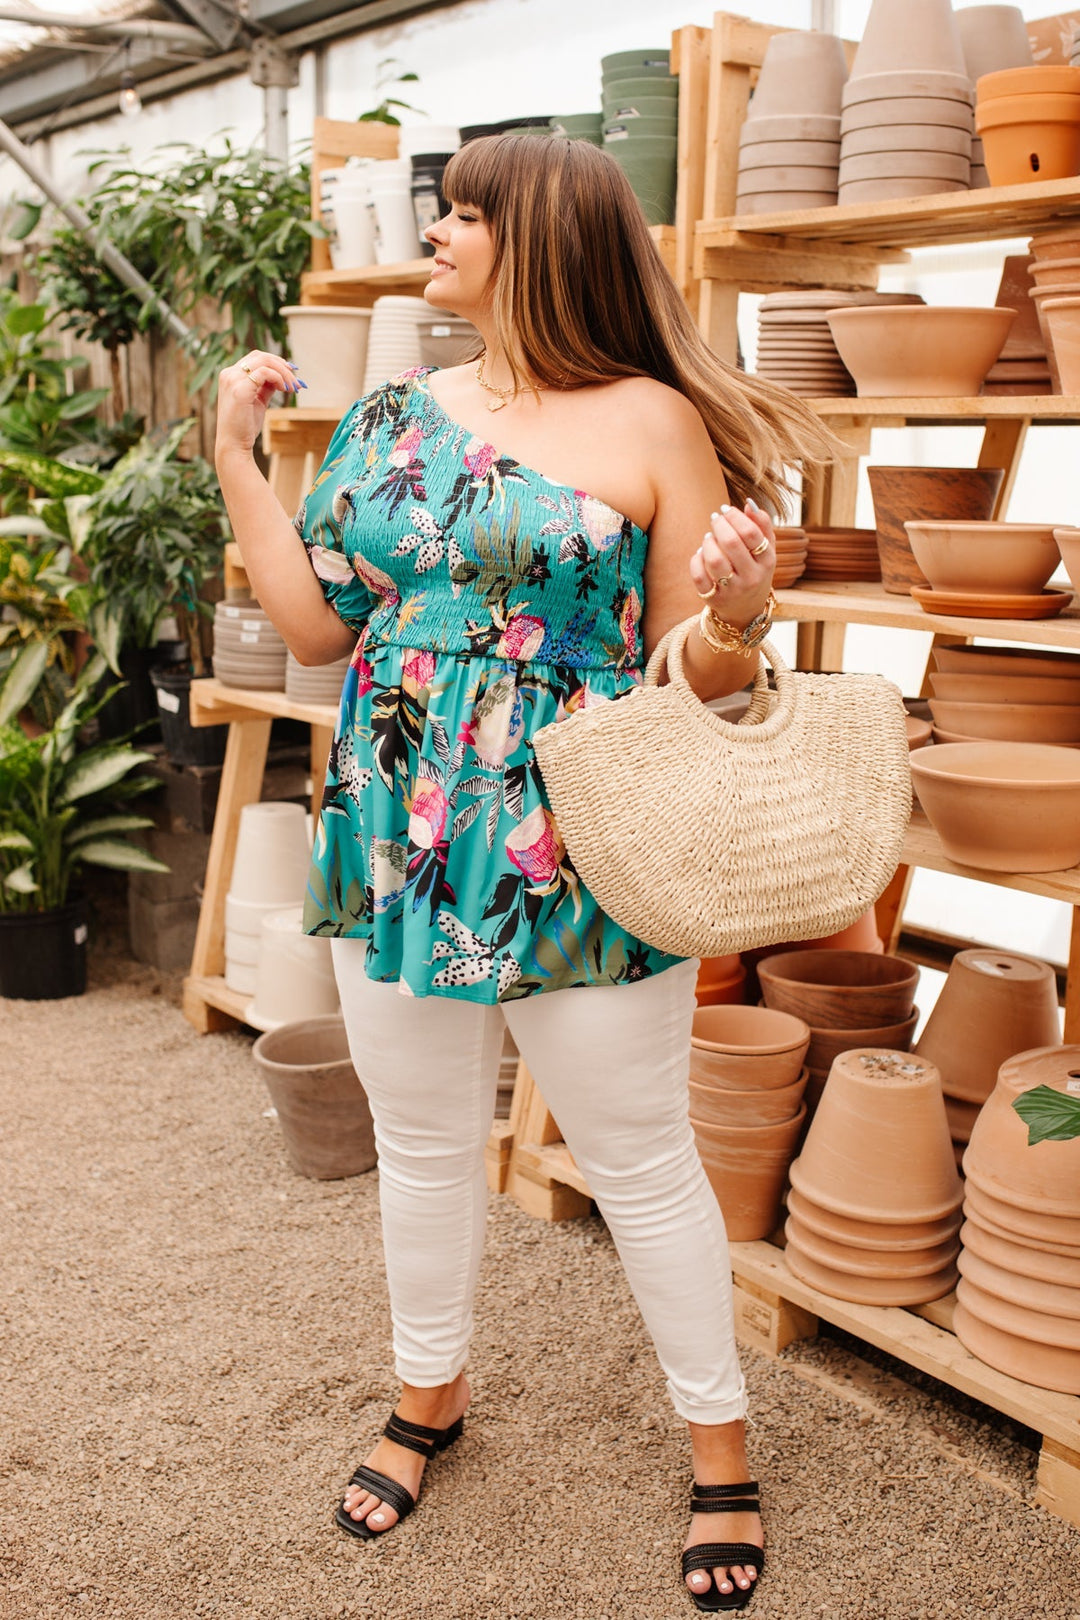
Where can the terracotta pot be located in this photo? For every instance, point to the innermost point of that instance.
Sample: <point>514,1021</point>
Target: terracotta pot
<point>1045,1366</point>
<point>1053,1233</point>
<point>1003,806</point>
<point>865,1262</point>
<point>922,351</point>
<point>992,1005</point>
<point>1068,543</point>
<point>869,1234</point>
<point>1063,244</point>
<point>1055,723</point>
<point>322,1107</point>
<point>883,165</point>
<point>1062,317</point>
<point>789,127</point>
<point>1046,1177</point>
<point>836,990</point>
<point>1021,1288</point>
<point>919,35</point>
<point>1062,273</point>
<point>1048,79</point>
<point>1011,661</point>
<point>868,1290</point>
<point>760,1105</point>
<point>919,732</point>
<point>1016,688</point>
<point>720,981</point>
<point>941,112</point>
<point>1021,1259</point>
<point>907,84</point>
<point>827,1044</point>
<point>880,1109</point>
<point>748,1171</point>
<point>1012,1317</point>
<point>984,557</point>
<point>961,1117</point>
<point>993,38</point>
<point>1030,137</point>
<point>801,73</point>
<point>762,1051</point>
<point>892,138</point>
<point>924,493</point>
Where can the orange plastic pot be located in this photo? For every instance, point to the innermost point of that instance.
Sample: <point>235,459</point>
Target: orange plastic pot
<point>1030,137</point>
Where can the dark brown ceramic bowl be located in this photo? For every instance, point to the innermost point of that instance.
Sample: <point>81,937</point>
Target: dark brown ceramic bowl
<point>924,494</point>
<point>838,990</point>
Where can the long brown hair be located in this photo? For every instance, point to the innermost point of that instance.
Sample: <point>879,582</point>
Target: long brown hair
<point>580,295</point>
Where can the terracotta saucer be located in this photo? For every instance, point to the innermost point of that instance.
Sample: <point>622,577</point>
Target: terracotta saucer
<point>1037,605</point>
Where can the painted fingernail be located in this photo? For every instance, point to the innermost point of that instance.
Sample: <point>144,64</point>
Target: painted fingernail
<point>752,505</point>
<point>726,509</point>
<point>300,384</point>
<point>292,365</point>
<point>715,516</point>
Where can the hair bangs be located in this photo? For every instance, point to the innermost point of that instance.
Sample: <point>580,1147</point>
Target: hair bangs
<point>474,176</point>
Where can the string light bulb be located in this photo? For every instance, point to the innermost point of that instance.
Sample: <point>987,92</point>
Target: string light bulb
<point>130,101</point>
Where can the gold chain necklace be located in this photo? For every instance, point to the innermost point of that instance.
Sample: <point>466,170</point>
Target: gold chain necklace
<point>502,395</point>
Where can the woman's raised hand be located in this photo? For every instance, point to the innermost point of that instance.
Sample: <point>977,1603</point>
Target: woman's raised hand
<point>244,391</point>
<point>733,567</point>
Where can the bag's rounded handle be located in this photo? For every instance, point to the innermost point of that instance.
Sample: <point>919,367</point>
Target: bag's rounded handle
<point>668,654</point>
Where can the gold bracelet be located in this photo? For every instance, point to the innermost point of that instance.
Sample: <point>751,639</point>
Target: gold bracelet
<point>723,637</point>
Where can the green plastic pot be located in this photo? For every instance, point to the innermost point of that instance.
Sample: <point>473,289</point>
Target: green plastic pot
<point>650,167</point>
<point>639,129</point>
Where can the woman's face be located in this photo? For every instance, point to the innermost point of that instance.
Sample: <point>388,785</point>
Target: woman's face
<point>464,259</point>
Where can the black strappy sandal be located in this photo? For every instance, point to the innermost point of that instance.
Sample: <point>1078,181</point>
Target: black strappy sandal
<point>403,1433</point>
<point>712,1555</point>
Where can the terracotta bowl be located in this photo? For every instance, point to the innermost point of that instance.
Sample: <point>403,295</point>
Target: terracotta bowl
<point>763,1105</point>
<point>827,1044</point>
<point>922,351</point>
<point>1010,722</point>
<point>834,990</point>
<point>1068,543</point>
<point>984,557</point>
<point>746,1048</point>
<point>928,493</point>
<point>919,732</point>
<point>1018,688</point>
<point>1003,806</point>
<point>880,1109</point>
<point>1043,1365</point>
<point>871,1262</point>
<point>868,1234</point>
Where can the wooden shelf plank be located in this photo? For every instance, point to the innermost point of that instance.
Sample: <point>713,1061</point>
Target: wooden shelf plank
<point>920,1343</point>
<point>872,604</point>
<point>901,412</point>
<point>213,703</point>
<point>988,214</point>
<point>211,989</point>
<point>922,847</point>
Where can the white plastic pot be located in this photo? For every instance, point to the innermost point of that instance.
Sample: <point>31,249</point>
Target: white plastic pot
<point>329,344</point>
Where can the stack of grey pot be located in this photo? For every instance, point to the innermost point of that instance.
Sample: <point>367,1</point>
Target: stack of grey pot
<point>908,107</point>
<point>640,128</point>
<point>315,683</point>
<point>789,146</point>
<point>248,651</point>
<point>994,38</point>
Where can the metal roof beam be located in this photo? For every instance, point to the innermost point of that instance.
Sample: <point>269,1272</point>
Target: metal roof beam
<point>217,19</point>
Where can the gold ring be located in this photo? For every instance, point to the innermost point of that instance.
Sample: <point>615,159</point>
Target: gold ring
<point>764,546</point>
<point>725,581</point>
<point>247,369</point>
<point>706,596</point>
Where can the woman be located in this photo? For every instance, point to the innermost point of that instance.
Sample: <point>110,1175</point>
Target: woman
<point>494,587</point>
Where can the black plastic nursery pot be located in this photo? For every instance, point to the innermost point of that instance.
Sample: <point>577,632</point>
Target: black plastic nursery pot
<point>184,743</point>
<point>43,953</point>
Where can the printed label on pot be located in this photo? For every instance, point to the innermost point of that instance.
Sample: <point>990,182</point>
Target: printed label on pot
<point>169,701</point>
<point>246,637</point>
<point>251,624</point>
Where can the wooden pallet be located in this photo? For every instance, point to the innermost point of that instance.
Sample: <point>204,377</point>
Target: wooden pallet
<point>773,1309</point>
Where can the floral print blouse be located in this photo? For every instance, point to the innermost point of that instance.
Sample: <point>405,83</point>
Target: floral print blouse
<point>488,601</point>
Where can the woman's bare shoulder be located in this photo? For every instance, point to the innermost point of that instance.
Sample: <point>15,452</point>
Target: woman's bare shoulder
<point>657,413</point>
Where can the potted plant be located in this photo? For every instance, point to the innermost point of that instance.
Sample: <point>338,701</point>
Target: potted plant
<point>154,543</point>
<point>61,808</point>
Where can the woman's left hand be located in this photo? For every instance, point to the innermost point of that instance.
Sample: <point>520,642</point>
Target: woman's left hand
<point>733,567</point>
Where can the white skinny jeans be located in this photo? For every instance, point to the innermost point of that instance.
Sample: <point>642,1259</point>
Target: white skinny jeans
<point>612,1063</point>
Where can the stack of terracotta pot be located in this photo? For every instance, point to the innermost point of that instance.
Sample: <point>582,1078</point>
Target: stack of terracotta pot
<point>993,38</point>
<point>1055,271</point>
<point>907,122</point>
<point>791,551</point>
<point>795,345</point>
<point>1031,698</point>
<point>720,981</point>
<point>1018,1300</point>
<point>746,1086</point>
<point>848,998</point>
<point>842,554</point>
<point>789,147</point>
<point>874,1206</point>
<point>992,1005</point>
<point>1029,122</point>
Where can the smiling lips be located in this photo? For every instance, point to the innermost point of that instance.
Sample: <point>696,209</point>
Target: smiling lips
<point>440,264</point>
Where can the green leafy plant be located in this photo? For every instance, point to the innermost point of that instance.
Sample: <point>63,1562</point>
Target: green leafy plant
<point>229,229</point>
<point>94,303</point>
<point>385,79</point>
<point>155,538</point>
<point>62,805</point>
<point>38,415</point>
<point>43,607</point>
<point>1050,1116</point>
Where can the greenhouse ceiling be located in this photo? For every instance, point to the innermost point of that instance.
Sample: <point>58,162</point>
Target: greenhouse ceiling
<point>63,63</point>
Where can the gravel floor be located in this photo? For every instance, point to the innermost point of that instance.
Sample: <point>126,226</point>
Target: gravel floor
<point>196,1348</point>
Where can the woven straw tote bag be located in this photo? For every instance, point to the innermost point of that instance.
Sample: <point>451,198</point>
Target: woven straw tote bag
<point>703,837</point>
